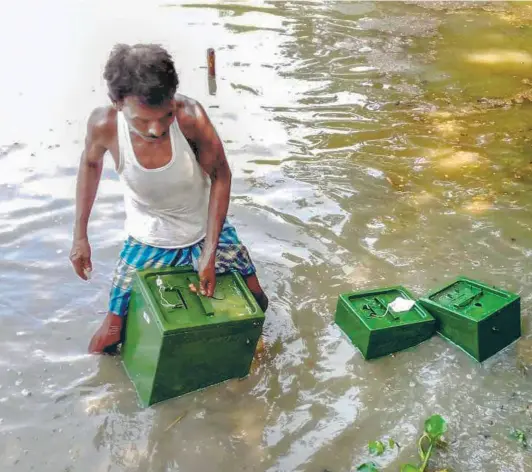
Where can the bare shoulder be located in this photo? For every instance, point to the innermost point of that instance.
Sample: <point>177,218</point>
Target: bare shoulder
<point>191,116</point>
<point>198,129</point>
<point>101,126</point>
<point>188,107</point>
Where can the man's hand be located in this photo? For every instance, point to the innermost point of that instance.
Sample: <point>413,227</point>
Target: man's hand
<point>80,256</point>
<point>207,282</point>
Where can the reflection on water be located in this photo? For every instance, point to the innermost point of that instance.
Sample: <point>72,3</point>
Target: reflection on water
<point>372,144</point>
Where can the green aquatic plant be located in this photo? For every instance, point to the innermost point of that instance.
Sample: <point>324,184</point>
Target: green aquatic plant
<point>435,428</point>
<point>376,447</point>
<point>368,467</point>
<point>409,468</point>
<point>519,436</point>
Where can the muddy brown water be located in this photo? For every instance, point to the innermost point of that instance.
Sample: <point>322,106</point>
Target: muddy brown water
<point>372,143</point>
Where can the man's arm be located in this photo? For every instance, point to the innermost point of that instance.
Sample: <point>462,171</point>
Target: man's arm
<point>212,159</point>
<point>88,179</point>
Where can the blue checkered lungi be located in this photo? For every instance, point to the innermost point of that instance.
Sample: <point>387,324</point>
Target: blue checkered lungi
<point>231,256</point>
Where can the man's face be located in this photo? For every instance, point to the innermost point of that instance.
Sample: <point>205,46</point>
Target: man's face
<point>149,122</point>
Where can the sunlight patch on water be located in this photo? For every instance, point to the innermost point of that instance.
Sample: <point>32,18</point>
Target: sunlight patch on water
<point>500,57</point>
<point>449,129</point>
<point>478,206</point>
<point>459,160</point>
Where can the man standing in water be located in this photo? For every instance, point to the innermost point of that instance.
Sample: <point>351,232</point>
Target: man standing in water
<point>176,182</point>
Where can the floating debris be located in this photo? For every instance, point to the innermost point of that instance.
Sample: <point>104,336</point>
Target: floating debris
<point>5,150</point>
<point>173,423</point>
<point>397,181</point>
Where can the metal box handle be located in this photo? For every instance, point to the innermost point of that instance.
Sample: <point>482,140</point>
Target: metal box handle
<point>206,303</point>
<point>470,299</point>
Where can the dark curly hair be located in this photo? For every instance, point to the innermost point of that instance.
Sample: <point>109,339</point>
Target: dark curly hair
<point>145,71</point>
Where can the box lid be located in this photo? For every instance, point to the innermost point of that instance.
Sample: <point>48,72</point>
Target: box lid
<point>178,308</point>
<point>372,308</point>
<point>471,298</point>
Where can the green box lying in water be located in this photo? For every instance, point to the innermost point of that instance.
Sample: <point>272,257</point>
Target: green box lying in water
<point>177,341</point>
<point>479,318</point>
<point>376,329</point>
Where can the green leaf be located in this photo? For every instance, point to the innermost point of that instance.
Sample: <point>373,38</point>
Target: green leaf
<point>519,436</point>
<point>368,467</point>
<point>376,447</point>
<point>409,468</point>
<point>435,427</point>
<point>391,443</point>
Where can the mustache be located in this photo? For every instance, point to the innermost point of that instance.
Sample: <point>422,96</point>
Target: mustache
<point>154,136</point>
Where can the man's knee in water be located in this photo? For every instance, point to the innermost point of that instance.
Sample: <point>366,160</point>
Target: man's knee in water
<point>254,286</point>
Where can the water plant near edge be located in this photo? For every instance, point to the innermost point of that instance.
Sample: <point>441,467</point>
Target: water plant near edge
<point>519,436</point>
<point>435,428</point>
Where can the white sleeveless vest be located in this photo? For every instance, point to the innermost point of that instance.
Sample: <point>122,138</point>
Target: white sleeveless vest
<point>165,207</point>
